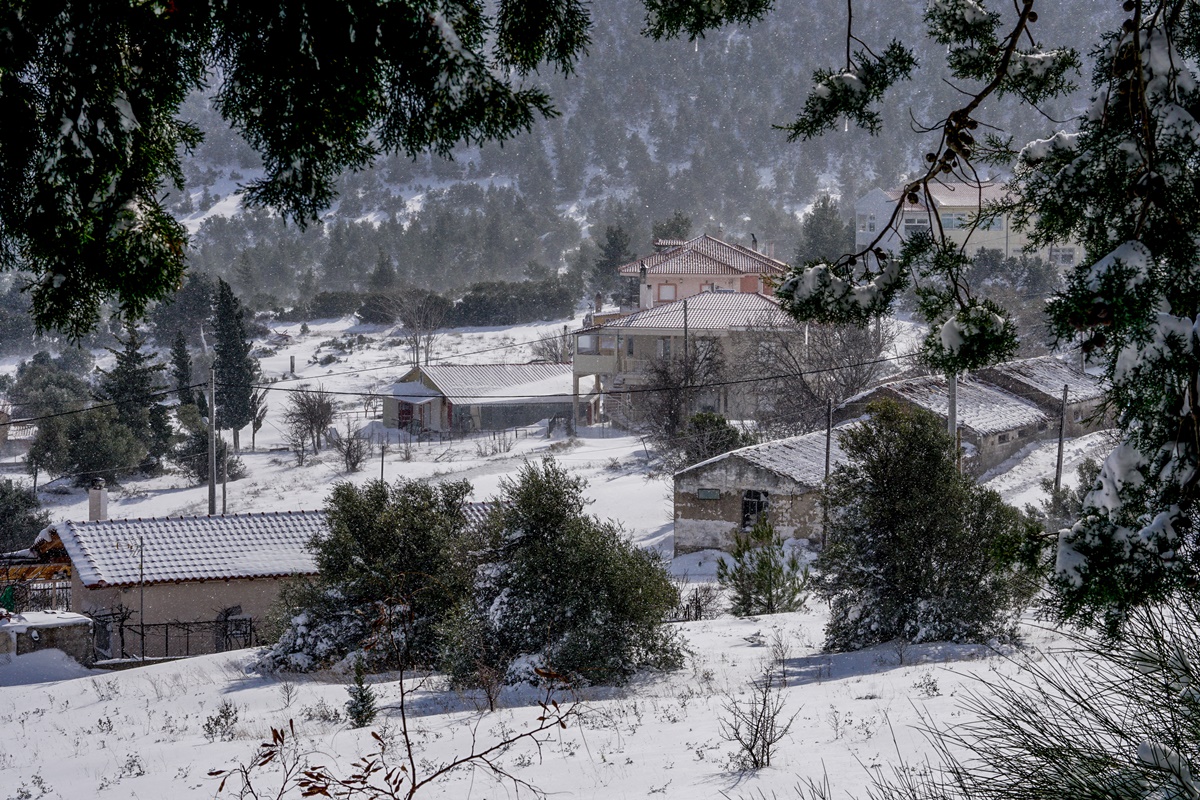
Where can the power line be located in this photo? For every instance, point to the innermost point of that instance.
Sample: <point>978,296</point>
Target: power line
<point>99,406</point>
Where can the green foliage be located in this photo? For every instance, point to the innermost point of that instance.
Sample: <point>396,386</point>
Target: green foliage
<point>97,446</point>
<point>677,226</point>
<point>762,579</point>
<point>188,310</point>
<point>825,234</point>
<point>708,434</point>
<point>504,303</point>
<point>916,550</point>
<point>131,385</point>
<point>45,385</point>
<point>181,370</point>
<point>236,371</point>
<point>23,516</point>
<point>572,592</point>
<point>360,708</point>
<point>614,252</point>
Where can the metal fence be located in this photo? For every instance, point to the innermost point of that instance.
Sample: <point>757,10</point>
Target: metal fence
<point>37,595</point>
<point>116,637</point>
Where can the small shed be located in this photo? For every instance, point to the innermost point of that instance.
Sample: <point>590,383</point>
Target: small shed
<point>32,631</point>
<point>1041,381</point>
<point>479,397</point>
<point>726,494</point>
<point>995,424</point>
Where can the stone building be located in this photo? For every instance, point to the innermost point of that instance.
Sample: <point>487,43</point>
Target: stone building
<point>726,494</point>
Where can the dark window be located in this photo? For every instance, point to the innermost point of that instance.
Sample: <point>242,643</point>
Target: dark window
<point>754,505</point>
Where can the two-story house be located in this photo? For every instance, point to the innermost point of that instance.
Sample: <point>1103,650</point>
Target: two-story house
<point>680,269</point>
<point>954,204</point>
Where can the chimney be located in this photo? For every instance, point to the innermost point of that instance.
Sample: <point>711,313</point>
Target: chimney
<point>97,501</point>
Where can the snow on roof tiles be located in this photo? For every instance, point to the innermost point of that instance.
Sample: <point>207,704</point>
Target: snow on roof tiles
<point>705,255</point>
<point>482,384</point>
<point>801,458</point>
<point>709,311</point>
<point>983,408</point>
<point>175,549</point>
<point>1048,375</point>
<point>191,548</point>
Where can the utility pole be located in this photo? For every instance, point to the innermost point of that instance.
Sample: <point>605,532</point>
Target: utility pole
<point>952,405</point>
<point>1062,433</point>
<point>828,450</point>
<point>142,592</point>
<point>685,333</point>
<point>224,480</point>
<point>212,441</point>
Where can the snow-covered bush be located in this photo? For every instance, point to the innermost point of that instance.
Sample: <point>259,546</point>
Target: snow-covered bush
<point>916,550</point>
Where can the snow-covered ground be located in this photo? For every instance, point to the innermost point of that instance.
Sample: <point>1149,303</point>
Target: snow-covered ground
<point>140,733</point>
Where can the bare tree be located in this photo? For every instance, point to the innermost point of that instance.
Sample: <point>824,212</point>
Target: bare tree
<point>423,314</point>
<point>353,448</point>
<point>677,386</point>
<point>800,368</point>
<point>756,725</point>
<point>311,411</point>
<point>555,349</point>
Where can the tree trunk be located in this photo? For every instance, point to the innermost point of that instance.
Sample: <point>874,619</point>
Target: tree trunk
<point>237,446</point>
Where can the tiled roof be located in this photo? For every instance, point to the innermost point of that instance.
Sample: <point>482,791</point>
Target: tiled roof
<point>1048,375</point>
<point>709,311</point>
<point>705,255</point>
<point>801,458</point>
<point>191,548</point>
<point>483,384</point>
<point>982,408</point>
<point>176,549</point>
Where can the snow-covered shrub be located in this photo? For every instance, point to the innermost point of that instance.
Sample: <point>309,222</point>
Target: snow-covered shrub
<point>360,708</point>
<point>762,578</point>
<point>566,592</point>
<point>916,550</point>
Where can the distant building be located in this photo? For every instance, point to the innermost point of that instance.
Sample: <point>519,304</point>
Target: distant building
<point>953,204</point>
<point>680,269</point>
<point>619,353</point>
<point>1041,381</point>
<point>723,495</point>
<point>481,397</point>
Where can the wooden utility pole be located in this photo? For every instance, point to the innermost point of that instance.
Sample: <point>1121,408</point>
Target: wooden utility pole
<point>212,441</point>
<point>224,481</point>
<point>952,404</point>
<point>828,452</point>
<point>1062,434</point>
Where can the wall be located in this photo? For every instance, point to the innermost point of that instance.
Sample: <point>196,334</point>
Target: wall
<point>72,634</point>
<point>193,601</point>
<point>794,509</point>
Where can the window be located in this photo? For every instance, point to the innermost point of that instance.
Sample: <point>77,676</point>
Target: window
<point>862,222</point>
<point>664,347</point>
<point>915,224</point>
<point>754,506</point>
<point>666,292</point>
<point>1062,256</point>
<point>608,344</point>
<point>708,494</point>
<point>629,346</point>
<point>586,344</point>
<point>871,224</point>
<point>952,221</point>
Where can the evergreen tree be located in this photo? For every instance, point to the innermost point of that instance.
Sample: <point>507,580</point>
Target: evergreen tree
<point>235,369</point>
<point>825,236</point>
<point>383,277</point>
<point>23,516</point>
<point>614,252</point>
<point>915,549</point>
<point>130,384</point>
<point>360,708</point>
<point>188,310</point>
<point>181,370</point>
<point>676,226</point>
<point>762,579</point>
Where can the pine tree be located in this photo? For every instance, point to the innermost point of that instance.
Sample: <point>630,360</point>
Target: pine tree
<point>235,368</point>
<point>181,369</point>
<point>360,708</point>
<point>825,235</point>
<point>383,277</point>
<point>762,579</point>
<point>614,252</point>
<point>130,384</point>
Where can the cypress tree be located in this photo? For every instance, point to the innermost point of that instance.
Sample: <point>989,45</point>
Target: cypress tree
<point>181,369</point>
<point>234,366</point>
<point>129,384</point>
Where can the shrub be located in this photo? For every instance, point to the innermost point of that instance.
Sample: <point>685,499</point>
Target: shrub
<point>22,514</point>
<point>568,591</point>
<point>221,725</point>
<point>762,579</point>
<point>916,550</point>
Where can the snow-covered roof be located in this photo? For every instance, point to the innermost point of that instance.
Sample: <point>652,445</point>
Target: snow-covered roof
<point>704,255</point>
<point>714,311</point>
<point>801,458</point>
<point>106,553</point>
<point>22,622</point>
<point>272,544</point>
<point>983,408</point>
<point>955,195</point>
<point>490,384</point>
<point>1047,375</point>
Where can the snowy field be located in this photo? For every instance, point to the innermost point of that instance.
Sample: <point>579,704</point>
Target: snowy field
<point>140,734</point>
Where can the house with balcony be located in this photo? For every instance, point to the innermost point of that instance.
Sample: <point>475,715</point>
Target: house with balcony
<point>617,355</point>
<point>954,205</point>
<point>680,269</point>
